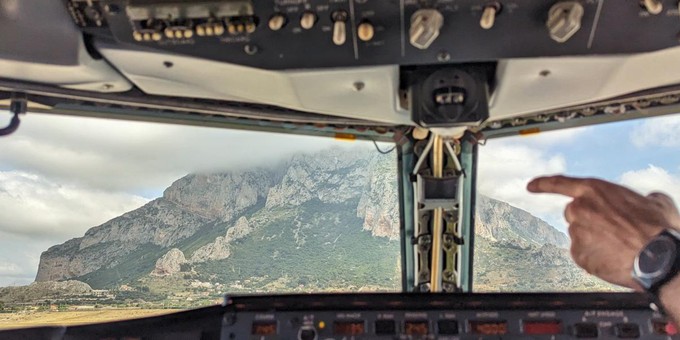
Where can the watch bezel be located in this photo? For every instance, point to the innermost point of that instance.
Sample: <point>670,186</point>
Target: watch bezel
<point>668,261</point>
<point>652,281</point>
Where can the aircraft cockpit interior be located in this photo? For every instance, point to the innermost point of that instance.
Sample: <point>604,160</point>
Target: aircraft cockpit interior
<point>446,86</point>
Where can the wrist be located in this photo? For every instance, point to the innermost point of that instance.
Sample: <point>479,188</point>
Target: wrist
<point>669,295</point>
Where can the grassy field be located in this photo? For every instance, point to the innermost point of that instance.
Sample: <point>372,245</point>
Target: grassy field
<point>34,319</point>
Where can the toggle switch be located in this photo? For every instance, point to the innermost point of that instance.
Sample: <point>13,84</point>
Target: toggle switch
<point>564,20</point>
<point>653,6</point>
<point>425,26</point>
<point>489,15</point>
<point>307,20</point>
<point>365,31</point>
<point>339,27</point>
<point>276,22</point>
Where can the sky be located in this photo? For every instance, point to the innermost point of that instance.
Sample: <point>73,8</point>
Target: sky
<point>60,175</point>
<point>641,154</point>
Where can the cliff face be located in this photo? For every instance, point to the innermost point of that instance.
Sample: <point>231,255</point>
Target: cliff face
<point>159,222</point>
<point>336,177</point>
<point>221,196</point>
<point>499,221</point>
<point>379,202</point>
<point>197,201</point>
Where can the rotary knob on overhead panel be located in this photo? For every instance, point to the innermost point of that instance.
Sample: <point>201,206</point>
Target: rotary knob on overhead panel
<point>564,20</point>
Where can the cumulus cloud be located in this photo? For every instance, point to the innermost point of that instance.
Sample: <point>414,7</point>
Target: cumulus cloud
<point>506,165</point>
<point>657,131</point>
<point>505,169</point>
<point>121,155</point>
<point>653,178</point>
<point>33,205</point>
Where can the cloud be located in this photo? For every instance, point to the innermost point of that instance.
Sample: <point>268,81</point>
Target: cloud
<point>122,155</point>
<point>36,207</point>
<point>504,170</point>
<point>657,131</point>
<point>653,178</point>
<point>19,257</point>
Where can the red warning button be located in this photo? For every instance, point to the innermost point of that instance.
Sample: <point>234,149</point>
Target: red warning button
<point>542,327</point>
<point>664,327</point>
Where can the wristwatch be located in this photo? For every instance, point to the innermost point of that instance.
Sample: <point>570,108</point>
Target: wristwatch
<point>658,262</point>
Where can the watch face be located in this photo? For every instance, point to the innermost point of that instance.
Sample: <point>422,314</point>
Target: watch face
<point>656,258</point>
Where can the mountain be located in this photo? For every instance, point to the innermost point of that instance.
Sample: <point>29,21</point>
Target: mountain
<point>518,252</point>
<point>510,267</point>
<point>324,221</point>
<point>338,206</point>
<point>499,221</point>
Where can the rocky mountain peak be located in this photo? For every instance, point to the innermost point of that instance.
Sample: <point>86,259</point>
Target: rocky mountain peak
<point>332,176</point>
<point>220,196</point>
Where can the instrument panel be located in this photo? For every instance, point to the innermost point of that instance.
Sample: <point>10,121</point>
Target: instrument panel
<point>450,316</point>
<point>293,34</point>
<point>391,316</point>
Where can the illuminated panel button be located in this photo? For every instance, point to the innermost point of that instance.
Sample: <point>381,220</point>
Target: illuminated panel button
<point>585,330</point>
<point>447,327</point>
<point>496,327</point>
<point>664,328</point>
<point>264,328</point>
<point>542,327</point>
<point>385,327</point>
<point>348,327</point>
<point>670,329</point>
<point>627,330</point>
<point>416,328</point>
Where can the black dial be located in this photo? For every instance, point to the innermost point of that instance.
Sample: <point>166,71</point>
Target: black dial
<point>656,258</point>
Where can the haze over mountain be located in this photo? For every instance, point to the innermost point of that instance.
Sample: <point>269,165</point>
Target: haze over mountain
<point>326,221</point>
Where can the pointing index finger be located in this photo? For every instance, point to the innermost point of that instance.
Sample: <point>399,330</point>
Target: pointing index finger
<point>563,185</point>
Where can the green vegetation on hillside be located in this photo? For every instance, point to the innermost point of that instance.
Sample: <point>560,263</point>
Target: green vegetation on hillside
<point>509,267</point>
<point>210,231</point>
<point>131,267</point>
<point>315,246</point>
<point>319,246</point>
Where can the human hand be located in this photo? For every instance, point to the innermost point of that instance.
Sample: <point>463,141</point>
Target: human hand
<point>609,224</point>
